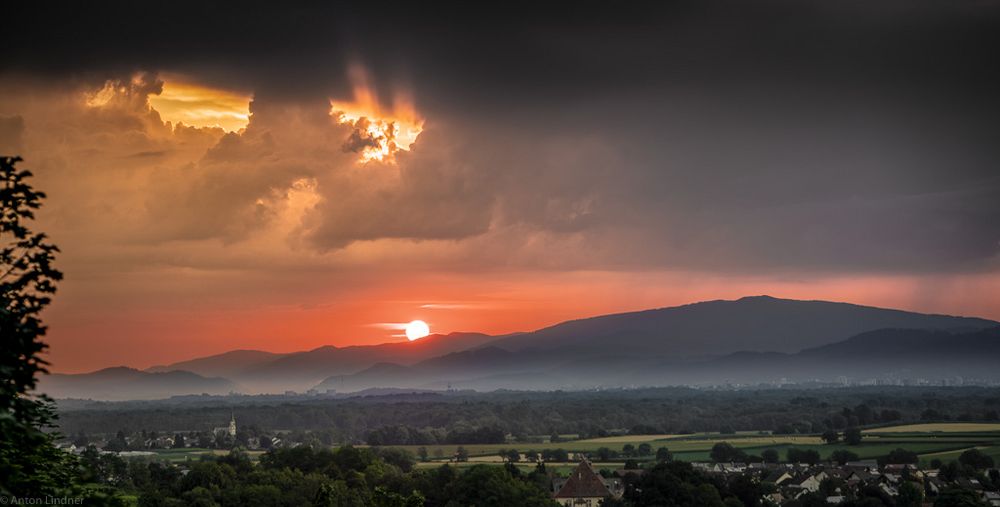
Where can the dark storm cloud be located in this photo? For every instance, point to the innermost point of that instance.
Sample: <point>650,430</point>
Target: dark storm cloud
<point>825,135</point>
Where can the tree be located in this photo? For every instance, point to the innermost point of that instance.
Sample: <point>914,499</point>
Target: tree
<point>910,495</point>
<point>976,459</point>
<point>29,462</point>
<point>486,485</point>
<point>724,451</point>
<point>178,441</point>
<point>852,436</point>
<point>461,454</point>
<point>673,483</point>
<point>902,456</point>
<point>422,452</point>
<point>770,456</point>
<point>830,436</point>
<point>644,449</point>
<point>558,455</point>
<point>950,471</point>
<point>956,497</point>
<point>842,456</point>
<point>605,454</point>
<point>802,456</point>
<point>628,450</point>
<point>663,455</point>
<point>513,456</point>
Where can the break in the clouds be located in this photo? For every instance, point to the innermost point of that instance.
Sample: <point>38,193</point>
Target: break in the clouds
<point>330,150</point>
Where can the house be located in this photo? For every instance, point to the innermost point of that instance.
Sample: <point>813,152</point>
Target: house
<point>809,483</point>
<point>69,447</point>
<point>866,465</point>
<point>585,487</point>
<point>778,477</point>
<point>773,499</point>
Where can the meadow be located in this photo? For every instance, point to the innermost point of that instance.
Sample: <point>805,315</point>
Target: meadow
<point>944,441</point>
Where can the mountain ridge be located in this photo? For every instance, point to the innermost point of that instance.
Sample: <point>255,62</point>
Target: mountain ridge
<point>124,383</point>
<point>629,348</point>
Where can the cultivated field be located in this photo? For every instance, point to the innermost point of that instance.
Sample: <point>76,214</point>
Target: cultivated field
<point>944,441</point>
<point>939,428</point>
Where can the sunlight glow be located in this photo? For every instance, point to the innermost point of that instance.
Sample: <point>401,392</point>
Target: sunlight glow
<point>417,329</point>
<point>200,106</point>
<point>378,134</point>
<point>176,100</point>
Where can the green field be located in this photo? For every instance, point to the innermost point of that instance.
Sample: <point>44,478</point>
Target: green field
<point>931,441</point>
<point>944,441</point>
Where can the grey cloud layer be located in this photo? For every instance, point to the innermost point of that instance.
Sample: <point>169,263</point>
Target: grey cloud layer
<point>856,136</point>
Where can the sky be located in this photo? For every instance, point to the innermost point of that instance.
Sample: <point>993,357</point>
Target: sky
<point>236,176</point>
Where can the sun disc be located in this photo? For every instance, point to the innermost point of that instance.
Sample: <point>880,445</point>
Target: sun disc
<point>417,329</point>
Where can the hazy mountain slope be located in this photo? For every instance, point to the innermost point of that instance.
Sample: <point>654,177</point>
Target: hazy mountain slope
<point>123,383</point>
<point>759,323</point>
<point>931,355</point>
<point>436,371</point>
<point>302,370</point>
<point>896,344</point>
<point>709,342</point>
<point>227,364</point>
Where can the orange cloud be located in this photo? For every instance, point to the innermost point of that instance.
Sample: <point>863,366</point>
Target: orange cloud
<point>378,133</point>
<point>194,105</point>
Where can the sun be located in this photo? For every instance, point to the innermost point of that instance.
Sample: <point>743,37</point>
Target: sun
<point>417,329</point>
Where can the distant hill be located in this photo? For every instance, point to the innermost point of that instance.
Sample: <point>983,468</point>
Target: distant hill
<point>894,344</point>
<point>931,355</point>
<point>301,370</point>
<point>752,339</point>
<point>435,371</point>
<point>121,383</point>
<point>227,364</point>
<point>759,323</point>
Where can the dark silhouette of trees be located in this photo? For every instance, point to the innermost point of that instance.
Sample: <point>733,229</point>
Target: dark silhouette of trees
<point>901,457</point>
<point>852,436</point>
<point>842,456</point>
<point>958,498</point>
<point>644,449</point>
<point>910,495</point>
<point>770,456</point>
<point>29,462</point>
<point>830,436</point>
<point>663,455</point>
<point>724,452</point>
<point>809,456</point>
<point>676,483</point>
<point>976,459</point>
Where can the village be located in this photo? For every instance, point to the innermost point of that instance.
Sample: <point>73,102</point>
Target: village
<point>588,476</point>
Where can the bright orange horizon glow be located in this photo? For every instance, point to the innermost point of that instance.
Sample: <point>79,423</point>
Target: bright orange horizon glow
<point>488,303</point>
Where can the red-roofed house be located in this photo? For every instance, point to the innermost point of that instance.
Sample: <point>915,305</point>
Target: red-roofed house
<point>583,488</point>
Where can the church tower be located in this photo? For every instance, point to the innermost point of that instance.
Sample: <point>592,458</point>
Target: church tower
<point>232,425</point>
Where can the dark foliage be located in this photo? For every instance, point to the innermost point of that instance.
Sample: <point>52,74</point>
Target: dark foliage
<point>29,463</point>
